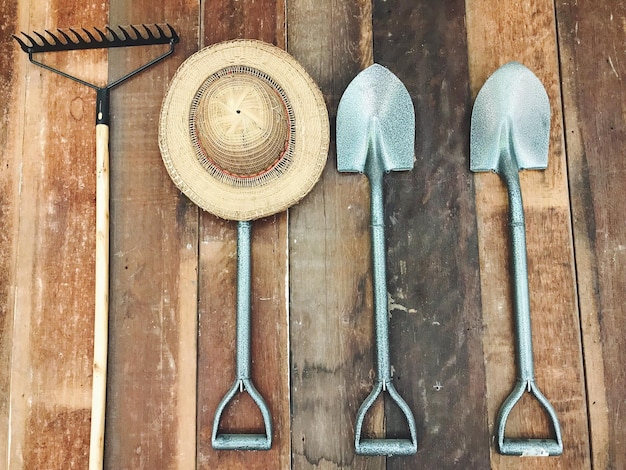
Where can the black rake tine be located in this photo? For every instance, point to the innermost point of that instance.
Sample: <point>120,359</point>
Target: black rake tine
<point>42,38</point>
<point>79,38</point>
<point>160,31</point>
<point>102,35</point>
<point>174,37</point>
<point>68,40</point>
<point>22,44</point>
<point>114,34</point>
<point>136,31</point>
<point>127,36</point>
<point>149,32</point>
<point>92,38</point>
<point>56,40</point>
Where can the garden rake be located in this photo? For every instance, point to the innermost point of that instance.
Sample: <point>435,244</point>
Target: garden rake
<point>72,39</point>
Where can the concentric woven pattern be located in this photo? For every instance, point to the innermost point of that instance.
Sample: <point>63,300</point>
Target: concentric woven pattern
<point>244,130</point>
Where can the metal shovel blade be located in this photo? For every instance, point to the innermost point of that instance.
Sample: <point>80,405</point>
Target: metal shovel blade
<point>376,134</point>
<point>511,110</point>
<point>375,106</point>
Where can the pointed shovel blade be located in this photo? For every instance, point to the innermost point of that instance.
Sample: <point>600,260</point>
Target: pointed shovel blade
<point>512,110</point>
<point>375,112</point>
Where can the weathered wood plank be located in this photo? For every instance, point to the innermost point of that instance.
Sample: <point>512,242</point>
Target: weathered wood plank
<point>12,83</point>
<point>154,238</point>
<point>223,20</point>
<point>525,32</point>
<point>331,321</point>
<point>432,263</point>
<point>52,310</point>
<point>593,63</point>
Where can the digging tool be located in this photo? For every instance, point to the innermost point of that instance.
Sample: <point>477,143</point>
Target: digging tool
<point>510,131</point>
<point>375,135</point>
<point>73,39</point>
<point>244,134</point>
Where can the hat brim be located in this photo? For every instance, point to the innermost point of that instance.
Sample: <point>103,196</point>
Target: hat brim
<point>311,127</point>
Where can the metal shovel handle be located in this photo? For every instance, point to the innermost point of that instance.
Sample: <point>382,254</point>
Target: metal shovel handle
<point>243,382</point>
<point>384,380</point>
<point>385,446</point>
<point>523,334</point>
<point>528,447</point>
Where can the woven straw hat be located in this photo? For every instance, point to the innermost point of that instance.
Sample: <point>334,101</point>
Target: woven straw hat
<point>244,130</point>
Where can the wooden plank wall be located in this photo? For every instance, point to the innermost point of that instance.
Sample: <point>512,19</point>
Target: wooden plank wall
<point>173,266</point>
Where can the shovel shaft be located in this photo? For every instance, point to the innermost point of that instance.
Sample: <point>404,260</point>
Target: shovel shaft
<point>521,296</point>
<point>379,262</point>
<point>243,381</point>
<point>244,229</point>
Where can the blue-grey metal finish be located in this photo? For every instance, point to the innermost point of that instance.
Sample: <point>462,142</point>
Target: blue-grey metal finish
<point>243,381</point>
<point>375,135</point>
<point>510,131</point>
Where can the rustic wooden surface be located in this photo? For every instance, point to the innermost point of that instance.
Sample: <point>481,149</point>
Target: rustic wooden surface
<point>172,325</point>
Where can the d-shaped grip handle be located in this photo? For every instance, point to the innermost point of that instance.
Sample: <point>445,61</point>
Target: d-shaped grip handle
<point>528,447</point>
<point>385,446</point>
<point>243,441</point>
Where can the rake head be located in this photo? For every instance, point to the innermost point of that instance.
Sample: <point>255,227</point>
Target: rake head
<point>119,36</point>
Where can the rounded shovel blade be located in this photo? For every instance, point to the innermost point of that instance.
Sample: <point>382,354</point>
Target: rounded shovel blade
<point>375,112</point>
<point>512,112</point>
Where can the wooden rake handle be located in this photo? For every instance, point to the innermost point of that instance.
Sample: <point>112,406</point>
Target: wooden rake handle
<point>101,319</point>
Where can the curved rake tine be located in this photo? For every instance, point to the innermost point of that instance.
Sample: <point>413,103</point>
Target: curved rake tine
<point>42,38</point>
<point>173,36</point>
<point>160,31</point>
<point>56,40</point>
<point>68,40</point>
<point>92,38</point>
<point>127,37</point>
<point>79,38</point>
<point>114,34</point>
<point>148,32</point>
<point>22,44</point>
<point>103,37</point>
<point>137,32</point>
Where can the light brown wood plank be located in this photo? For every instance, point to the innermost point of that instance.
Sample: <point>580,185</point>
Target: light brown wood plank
<point>331,319</point>
<point>154,239</point>
<point>12,83</point>
<point>50,383</point>
<point>223,20</point>
<point>526,33</point>
<point>593,60</point>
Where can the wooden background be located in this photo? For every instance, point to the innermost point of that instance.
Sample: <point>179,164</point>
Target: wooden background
<point>171,348</point>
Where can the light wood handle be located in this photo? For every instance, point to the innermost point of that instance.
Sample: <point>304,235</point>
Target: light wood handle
<point>101,320</point>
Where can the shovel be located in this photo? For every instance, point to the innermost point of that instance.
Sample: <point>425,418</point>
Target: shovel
<point>375,135</point>
<point>510,131</point>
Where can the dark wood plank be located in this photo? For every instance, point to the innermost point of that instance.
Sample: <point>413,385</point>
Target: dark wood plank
<point>154,254</point>
<point>223,20</point>
<point>432,264</point>
<point>331,319</point>
<point>593,64</point>
<point>52,308</point>
<point>525,33</point>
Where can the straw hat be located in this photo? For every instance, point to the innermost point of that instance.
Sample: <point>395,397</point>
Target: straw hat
<point>244,130</point>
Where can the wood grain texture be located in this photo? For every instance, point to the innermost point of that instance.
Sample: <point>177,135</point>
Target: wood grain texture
<point>52,310</point>
<point>11,127</point>
<point>331,321</point>
<point>224,20</point>
<point>154,240</point>
<point>433,267</point>
<point>593,63</point>
<point>525,32</point>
